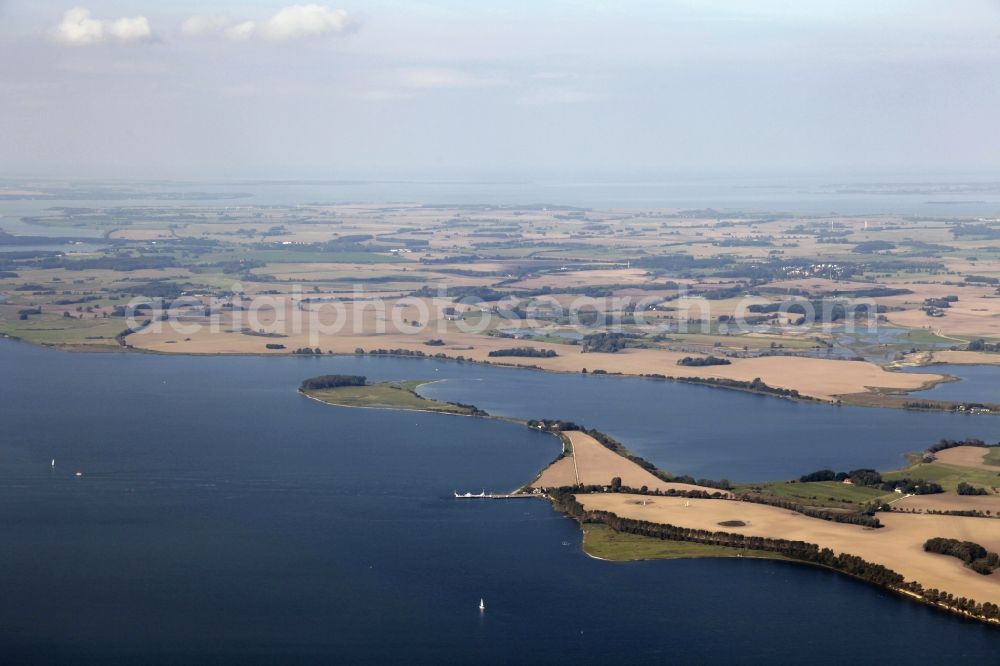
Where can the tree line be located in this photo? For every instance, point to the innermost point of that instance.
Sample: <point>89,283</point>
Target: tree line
<point>696,362</point>
<point>964,488</point>
<point>607,343</point>
<point>529,352</point>
<point>871,478</point>
<point>975,556</point>
<point>944,444</point>
<point>332,381</point>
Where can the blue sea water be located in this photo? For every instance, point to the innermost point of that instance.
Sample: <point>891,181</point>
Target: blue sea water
<point>223,518</point>
<point>976,383</point>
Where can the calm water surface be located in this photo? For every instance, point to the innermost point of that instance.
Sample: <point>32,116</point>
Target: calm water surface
<point>715,433</point>
<point>976,383</point>
<point>223,518</point>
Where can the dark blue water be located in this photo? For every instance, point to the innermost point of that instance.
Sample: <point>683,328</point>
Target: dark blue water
<point>976,383</point>
<point>223,518</point>
<point>715,433</point>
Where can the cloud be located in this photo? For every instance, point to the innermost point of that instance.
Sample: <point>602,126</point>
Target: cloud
<point>78,28</point>
<point>295,22</point>
<point>135,29</point>
<point>304,21</point>
<point>203,25</point>
<point>241,32</point>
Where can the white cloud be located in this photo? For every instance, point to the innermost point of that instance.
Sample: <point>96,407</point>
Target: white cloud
<point>134,29</point>
<point>78,28</point>
<point>304,21</point>
<point>203,25</point>
<point>288,24</point>
<point>241,32</point>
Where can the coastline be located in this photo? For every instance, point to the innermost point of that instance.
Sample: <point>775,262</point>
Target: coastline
<point>712,382</point>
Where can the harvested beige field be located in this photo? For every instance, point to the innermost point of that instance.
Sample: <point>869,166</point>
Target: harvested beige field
<point>570,279</point>
<point>593,464</point>
<point>966,456</point>
<point>948,502</point>
<point>965,358</point>
<point>557,475</point>
<point>898,545</point>
<point>975,314</point>
<point>964,326</point>
<point>822,378</point>
<point>922,290</point>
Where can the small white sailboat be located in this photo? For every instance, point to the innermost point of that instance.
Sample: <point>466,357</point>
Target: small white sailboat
<point>482,604</point>
<point>53,462</point>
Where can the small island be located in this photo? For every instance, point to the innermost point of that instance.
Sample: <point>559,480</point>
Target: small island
<point>355,391</point>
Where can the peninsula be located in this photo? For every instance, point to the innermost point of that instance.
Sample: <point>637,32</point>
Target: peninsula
<point>877,526</point>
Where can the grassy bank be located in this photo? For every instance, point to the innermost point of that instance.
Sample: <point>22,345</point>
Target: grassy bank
<point>388,395</point>
<point>603,542</point>
<point>913,401</point>
<point>828,494</point>
<point>948,476</point>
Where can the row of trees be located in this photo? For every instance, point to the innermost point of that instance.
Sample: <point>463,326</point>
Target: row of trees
<point>944,444</point>
<point>914,486</point>
<point>873,479</point>
<point>696,362</point>
<point>865,517</point>
<point>332,381</point>
<point>529,352</point>
<point>608,343</point>
<point>859,477</point>
<point>360,351</point>
<point>757,386</point>
<point>975,556</point>
<point>968,489</point>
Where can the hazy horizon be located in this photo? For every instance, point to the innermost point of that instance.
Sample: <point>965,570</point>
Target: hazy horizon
<point>558,90</point>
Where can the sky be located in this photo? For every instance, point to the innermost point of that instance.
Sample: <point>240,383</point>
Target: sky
<point>467,90</point>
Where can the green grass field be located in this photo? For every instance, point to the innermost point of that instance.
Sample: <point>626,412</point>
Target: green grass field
<point>948,476</point>
<point>49,329</point>
<point>385,395</point>
<point>739,341</point>
<point>602,541</point>
<point>920,336</point>
<point>820,493</point>
<point>992,456</point>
